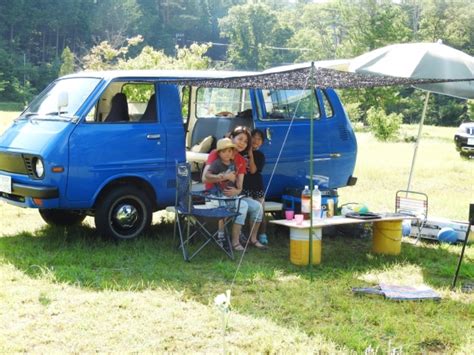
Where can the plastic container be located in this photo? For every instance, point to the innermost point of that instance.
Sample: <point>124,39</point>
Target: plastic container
<point>306,202</point>
<point>330,207</point>
<point>316,207</point>
<point>299,246</point>
<point>387,237</point>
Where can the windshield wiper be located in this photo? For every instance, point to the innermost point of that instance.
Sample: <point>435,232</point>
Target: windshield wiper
<point>44,116</point>
<point>55,113</point>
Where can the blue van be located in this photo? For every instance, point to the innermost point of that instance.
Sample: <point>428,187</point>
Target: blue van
<point>105,144</point>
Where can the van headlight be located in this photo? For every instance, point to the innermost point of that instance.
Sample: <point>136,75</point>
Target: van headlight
<point>39,168</point>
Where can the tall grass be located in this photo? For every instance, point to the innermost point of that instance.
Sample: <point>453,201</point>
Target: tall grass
<point>69,290</point>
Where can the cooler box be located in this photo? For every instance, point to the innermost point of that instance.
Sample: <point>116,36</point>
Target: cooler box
<point>299,246</point>
<point>434,225</point>
<point>292,199</point>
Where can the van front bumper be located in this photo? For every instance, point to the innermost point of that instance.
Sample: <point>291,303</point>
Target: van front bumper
<point>43,192</point>
<point>31,196</point>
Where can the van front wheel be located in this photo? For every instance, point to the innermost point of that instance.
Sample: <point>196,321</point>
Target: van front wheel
<point>57,217</point>
<point>123,213</point>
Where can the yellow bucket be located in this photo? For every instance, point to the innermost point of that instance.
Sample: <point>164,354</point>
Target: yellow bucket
<point>299,246</point>
<point>387,237</point>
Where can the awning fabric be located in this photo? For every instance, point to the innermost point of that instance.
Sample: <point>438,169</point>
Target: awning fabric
<point>305,78</point>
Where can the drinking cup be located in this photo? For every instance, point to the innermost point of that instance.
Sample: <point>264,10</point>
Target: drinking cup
<point>299,218</point>
<point>289,214</point>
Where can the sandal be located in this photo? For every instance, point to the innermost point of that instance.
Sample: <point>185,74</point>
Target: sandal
<point>258,245</point>
<point>238,247</point>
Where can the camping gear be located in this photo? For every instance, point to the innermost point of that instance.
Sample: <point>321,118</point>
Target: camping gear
<point>447,235</point>
<point>433,226</point>
<point>300,248</point>
<point>197,225</point>
<point>292,199</point>
<point>387,237</point>
<point>413,204</point>
<point>418,61</point>
<point>399,293</point>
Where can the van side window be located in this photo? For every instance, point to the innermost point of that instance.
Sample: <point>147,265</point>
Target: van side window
<point>212,102</point>
<point>185,95</point>
<point>327,105</point>
<point>141,101</point>
<point>286,104</point>
<point>124,102</point>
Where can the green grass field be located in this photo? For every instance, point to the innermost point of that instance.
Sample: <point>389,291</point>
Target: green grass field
<point>69,290</point>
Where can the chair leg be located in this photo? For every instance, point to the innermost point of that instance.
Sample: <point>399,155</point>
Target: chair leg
<point>420,228</point>
<point>181,239</point>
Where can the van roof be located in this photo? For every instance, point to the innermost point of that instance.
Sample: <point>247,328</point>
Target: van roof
<point>187,74</point>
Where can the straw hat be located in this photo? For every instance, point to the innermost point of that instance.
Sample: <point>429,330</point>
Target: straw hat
<point>224,143</point>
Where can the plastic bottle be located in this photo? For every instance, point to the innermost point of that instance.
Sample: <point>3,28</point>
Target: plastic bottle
<point>305,202</point>
<point>316,203</point>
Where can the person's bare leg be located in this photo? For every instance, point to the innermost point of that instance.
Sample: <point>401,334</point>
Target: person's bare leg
<point>254,231</point>
<point>236,229</point>
<point>220,226</point>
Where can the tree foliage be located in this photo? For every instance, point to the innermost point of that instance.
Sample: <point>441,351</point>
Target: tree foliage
<point>36,37</point>
<point>384,127</point>
<point>67,59</point>
<point>105,57</point>
<point>253,31</point>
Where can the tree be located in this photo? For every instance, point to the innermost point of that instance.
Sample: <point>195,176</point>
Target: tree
<point>449,20</point>
<point>113,21</point>
<point>370,24</point>
<point>67,59</point>
<point>105,56</point>
<point>254,32</point>
<point>318,31</point>
<point>2,83</point>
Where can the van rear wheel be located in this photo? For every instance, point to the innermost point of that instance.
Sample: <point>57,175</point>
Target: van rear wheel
<point>123,213</point>
<point>58,217</point>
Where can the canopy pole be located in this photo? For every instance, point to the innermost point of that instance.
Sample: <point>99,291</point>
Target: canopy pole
<point>427,97</point>
<point>311,162</point>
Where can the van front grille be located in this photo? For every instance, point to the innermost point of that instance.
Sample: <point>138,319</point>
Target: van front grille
<point>12,163</point>
<point>17,163</point>
<point>28,159</point>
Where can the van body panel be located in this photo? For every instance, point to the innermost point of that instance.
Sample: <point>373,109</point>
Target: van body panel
<point>34,136</point>
<point>334,149</point>
<point>94,153</point>
<point>97,152</point>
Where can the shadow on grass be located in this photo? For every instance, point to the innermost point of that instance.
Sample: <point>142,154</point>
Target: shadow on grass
<point>78,256</point>
<point>267,284</point>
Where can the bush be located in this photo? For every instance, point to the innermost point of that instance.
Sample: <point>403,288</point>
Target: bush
<point>384,127</point>
<point>11,106</point>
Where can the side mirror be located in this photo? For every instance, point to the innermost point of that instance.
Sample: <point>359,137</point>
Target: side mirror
<point>63,100</point>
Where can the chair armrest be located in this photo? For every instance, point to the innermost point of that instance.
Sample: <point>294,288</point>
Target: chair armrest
<point>208,195</point>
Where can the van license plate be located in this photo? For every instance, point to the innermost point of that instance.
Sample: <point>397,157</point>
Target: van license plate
<point>5,184</point>
<point>470,141</point>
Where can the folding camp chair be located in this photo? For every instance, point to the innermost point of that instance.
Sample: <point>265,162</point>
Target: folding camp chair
<point>197,224</point>
<point>413,204</point>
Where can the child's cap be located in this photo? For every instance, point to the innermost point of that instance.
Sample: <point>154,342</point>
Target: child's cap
<point>224,143</point>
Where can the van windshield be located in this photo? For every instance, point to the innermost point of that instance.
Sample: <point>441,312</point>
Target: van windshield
<point>70,94</point>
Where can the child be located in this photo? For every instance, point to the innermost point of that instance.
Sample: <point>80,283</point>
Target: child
<point>222,171</point>
<point>253,182</point>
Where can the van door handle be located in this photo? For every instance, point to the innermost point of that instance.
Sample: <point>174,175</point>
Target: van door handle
<point>153,136</point>
<point>268,133</point>
<point>335,155</point>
